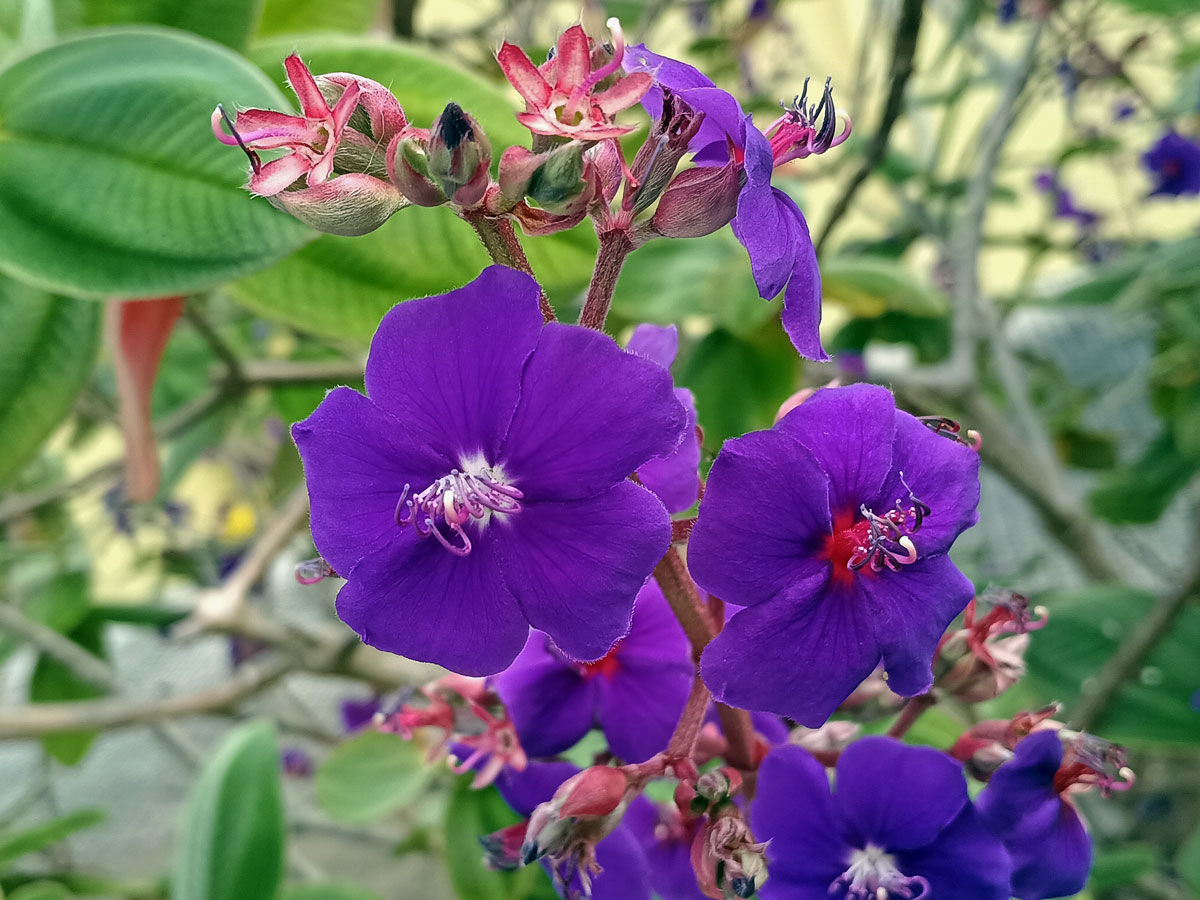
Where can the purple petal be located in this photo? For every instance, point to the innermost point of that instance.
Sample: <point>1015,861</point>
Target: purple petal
<point>675,479</point>
<point>762,221</point>
<point>670,73</point>
<point>641,705</point>
<point>942,473</point>
<point>910,610</point>
<point>589,415</point>
<point>657,343</point>
<point>799,655</point>
<point>626,874</point>
<point>357,459</point>
<point>763,520</point>
<point>793,809</point>
<point>357,714</point>
<point>551,704</point>
<point>966,862</point>
<point>802,299</point>
<point>523,790</point>
<point>449,367</point>
<point>576,567</point>
<point>669,855</point>
<point>895,796</point>
<point>850,431</point>
<point>415,599</point>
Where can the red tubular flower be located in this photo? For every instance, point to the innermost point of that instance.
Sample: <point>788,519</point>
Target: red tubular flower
<point>560,95</point>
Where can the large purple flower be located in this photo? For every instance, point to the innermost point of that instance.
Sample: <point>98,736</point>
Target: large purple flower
<point>675,478</point>
<point>1024,803</point>
<point>768,223</point>
<point>666,839</point>
<point>635,693</point>
<point>832,530</point>
<point>899,825</point>
<point>625,875</point>
<point>480,486</point>
<point>1174,161</point>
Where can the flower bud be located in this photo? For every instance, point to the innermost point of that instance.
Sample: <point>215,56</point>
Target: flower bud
<point>584,809</point>
<point>669,141</point>
<point>698,201</point>
<point>559,181</point>
<point>986,656</point>
<point>408,168</point>
<point>348,205</point>
<point>716,787</point>
<point>502,849</point>
<point>459,156</point>
<point>729,864</point>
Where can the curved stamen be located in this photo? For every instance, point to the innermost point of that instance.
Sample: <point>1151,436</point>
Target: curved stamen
<point>453,500</point>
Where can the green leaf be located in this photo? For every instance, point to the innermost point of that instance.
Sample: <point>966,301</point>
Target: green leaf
<point>1162,7</point>
<point>369,776</point>
<point>668,280</point>
<point>873,285</point>
<point>422,82</point>
<point>229,22</point>
<point>295,16</point>
<point>341,287</point>
<point>327,891</point>
<point>1187,860</point>
<point>111,182</point>
<point>1141,491</point>
<point>32,840</point>
<point>232,843</point>
<point>50,346</point>
<point>52,682</point>
<point>1121,865</point>
<point>1084,631</point>
<point>41,890</point>
<point>471,814</point>
<point>62,604</point>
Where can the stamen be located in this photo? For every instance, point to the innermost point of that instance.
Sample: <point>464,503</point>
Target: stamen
<point>888,542</point>
<point>452,501</point>
<point>948,428</point>
<point>219,113</point>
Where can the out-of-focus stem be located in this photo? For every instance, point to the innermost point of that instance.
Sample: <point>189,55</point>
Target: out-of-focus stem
<point>912,711</point>
<point>614,247</point>
<point>504,247</point>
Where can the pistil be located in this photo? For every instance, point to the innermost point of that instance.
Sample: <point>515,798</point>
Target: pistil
<point>452,501</point>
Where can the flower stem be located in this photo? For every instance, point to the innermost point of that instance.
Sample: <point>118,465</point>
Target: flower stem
<point>672,576</point>
<point>504,247</point>
<point>614,247</point>
<point>683,741</point>
<point>909,714</point>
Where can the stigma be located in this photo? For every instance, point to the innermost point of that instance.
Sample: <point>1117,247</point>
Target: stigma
<point>442,509</point>
<point>872,875</point>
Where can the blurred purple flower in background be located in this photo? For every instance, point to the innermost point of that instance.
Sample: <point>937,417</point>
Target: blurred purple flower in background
<point>1174,161</point>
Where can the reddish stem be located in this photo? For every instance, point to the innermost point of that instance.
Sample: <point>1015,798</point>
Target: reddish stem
<point>683,741</point>
<point>909,714</point>
<point>504,247</point>
<point>672,576</point>
<point>614,247</point>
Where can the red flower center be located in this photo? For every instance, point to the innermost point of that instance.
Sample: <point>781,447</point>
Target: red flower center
<point>846,541</point>
<point>606,666</point>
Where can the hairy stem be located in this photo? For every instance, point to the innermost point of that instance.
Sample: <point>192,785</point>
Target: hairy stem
<point>683,741</point>
<point>504,247</point>
<point>672,576</point>
<point>912,711</point>
<point>614,247</point>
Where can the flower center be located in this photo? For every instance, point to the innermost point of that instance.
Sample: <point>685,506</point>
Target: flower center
<point>876,542</point>
<point>452,501</point>
<point>606,666</point>
<point>872,875</point>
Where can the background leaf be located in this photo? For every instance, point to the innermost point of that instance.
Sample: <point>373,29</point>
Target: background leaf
<point>53,682</point>
<point>232,843</point>
<point>32,840</point>
<point>1083,633</point>
<point>50,347</point>
<point>369,776</point>
<point>229,22</point>
<point>327,891</point>
<point>295,16</point>
<point>111,182</point>
<point>471,814</point>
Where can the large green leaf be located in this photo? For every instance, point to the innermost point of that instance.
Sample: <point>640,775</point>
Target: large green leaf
<point>421,81</point>
<point>229,22</point>
<point>32,840</point>
<point>49,347</point>
<point>1084,631</point>
<point>341,287</point>
<point>873,285</point>
<point>232,843</point>
<point>53,682</point>
<point>111,182</point>
<point>295,16</point>
<point>369,776</point>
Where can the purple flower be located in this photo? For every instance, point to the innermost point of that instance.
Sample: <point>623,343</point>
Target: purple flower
<point>1175,163</point>
<point>675,478</point>
<point>358,714</point>
<point>899,825</point>
<point>666,839</point>
<point>768,223</point>
<point>1026,806</point>
<point>480,487</point>
<point>1007,11</point>
<point>832,530</point>
<point>635,693</point>
<point>295,763</point>
<point>626,874</point>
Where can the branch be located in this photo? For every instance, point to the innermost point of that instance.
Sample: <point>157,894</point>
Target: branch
<point>83,664</point>
<point>903,50</point>
<point>93,715</point>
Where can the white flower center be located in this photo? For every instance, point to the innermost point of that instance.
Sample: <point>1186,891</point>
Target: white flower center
<point>872,875</point>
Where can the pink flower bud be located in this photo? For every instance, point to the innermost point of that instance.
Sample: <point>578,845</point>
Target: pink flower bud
<point>729,864</point>
<point>459,156</point>
<point>596,791</point>
<point>698,201</point>
<point>408,167</point>
<point>349,205</point>
<point>986,656</point>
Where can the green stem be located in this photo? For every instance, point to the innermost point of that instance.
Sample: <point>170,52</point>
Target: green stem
<point>504,247</point>
<point>614,247</point>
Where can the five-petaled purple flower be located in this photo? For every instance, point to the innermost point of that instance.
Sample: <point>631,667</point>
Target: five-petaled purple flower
<point>1174,161</point>
<point>898,827</point>
<point>480,487</point>
<point>832,530</point>
<point>635,693</point>
<point>768,223</point>
<point>1027,804</point>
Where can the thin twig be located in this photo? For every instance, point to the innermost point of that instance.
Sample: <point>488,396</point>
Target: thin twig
<point>903,49</point>
<point>84,665</point>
